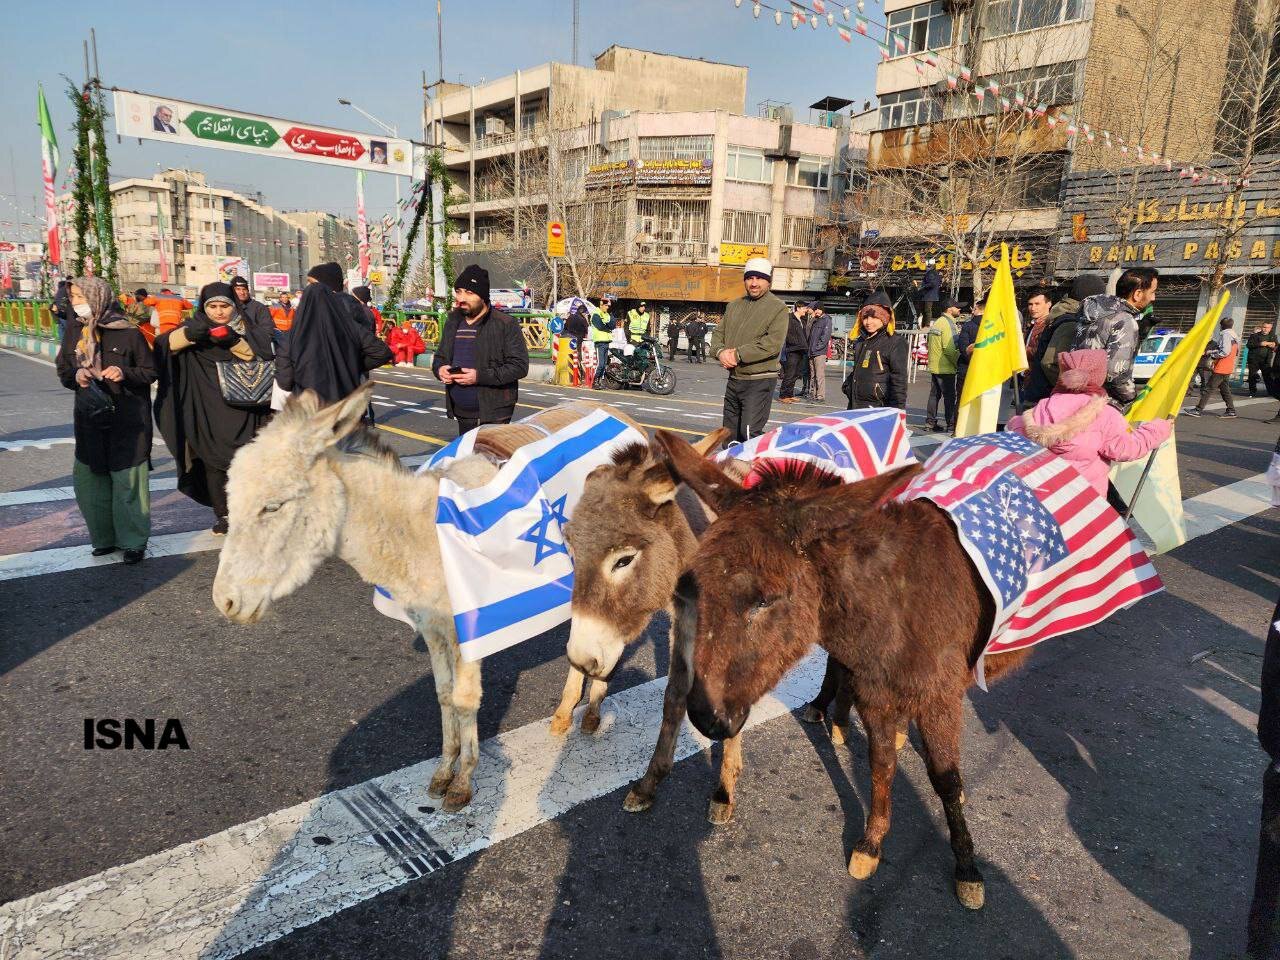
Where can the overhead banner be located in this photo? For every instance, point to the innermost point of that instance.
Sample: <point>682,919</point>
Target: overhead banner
<point>195,124</point>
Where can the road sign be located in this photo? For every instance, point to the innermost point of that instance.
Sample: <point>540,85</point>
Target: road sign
<point>7,247</point>
<point>555,239</point>
<point>376,277</point>
<point>870,234</point>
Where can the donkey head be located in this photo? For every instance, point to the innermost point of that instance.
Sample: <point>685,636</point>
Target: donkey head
<point>286,504</point>
<point>629,541</point>
<point>748,603</point>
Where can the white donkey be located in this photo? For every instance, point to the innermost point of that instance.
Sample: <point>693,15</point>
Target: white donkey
<point>300,493</point>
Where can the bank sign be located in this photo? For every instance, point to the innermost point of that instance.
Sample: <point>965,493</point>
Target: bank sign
<point>193,124</point>
<point>1158,219</point>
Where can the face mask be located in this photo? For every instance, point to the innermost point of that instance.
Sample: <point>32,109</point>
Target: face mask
<point>83,310</point>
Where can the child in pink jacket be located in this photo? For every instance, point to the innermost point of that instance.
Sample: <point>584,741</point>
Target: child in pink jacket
<point>1078,423</point>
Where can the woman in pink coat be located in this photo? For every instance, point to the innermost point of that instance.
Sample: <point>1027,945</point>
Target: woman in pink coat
<point>1078,423</point>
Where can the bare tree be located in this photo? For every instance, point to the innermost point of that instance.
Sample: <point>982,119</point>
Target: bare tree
<point>565,178</point>
<point>969,154</point>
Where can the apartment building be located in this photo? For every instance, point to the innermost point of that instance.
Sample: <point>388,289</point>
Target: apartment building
<point>327,238</point>
<point>1142,70</point>
<point>661,177</point>
<point>177,223</point>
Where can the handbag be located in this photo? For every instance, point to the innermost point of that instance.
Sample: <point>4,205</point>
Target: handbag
<point>246,383</point>
<point>95,405</point>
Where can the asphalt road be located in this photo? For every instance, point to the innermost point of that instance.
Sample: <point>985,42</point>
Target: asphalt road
<point>1113,784</point>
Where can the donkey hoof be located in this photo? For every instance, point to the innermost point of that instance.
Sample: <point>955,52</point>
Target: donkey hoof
<point>560,725</point>
<point>439,784</point>
<point>719,813</point>
<point>637,802</point>
<point>839,734</point>
<point>862,865</point>
<point>811,714</point>
<point>971,894</point>
<point>457,798</point>
<point>899,740</point>
<point>590,722</point>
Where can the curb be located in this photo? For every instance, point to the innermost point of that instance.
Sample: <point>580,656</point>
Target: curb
<point>36,346</point>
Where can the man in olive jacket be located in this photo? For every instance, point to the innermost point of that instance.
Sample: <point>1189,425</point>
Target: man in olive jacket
<point>747,344</point>
<point>481,357</point>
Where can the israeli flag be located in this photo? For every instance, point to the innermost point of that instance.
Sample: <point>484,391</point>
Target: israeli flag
<point>506,565</point>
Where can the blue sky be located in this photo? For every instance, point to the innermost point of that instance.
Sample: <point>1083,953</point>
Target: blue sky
<point>294,60</point>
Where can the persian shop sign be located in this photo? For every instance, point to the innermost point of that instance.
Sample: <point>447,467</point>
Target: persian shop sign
<point>1260,253</point>
<point>193,124</point>
<point>737,254</point>
<point>650,173</point>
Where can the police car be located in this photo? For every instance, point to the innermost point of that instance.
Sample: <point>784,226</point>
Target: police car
<point>1153,352</point>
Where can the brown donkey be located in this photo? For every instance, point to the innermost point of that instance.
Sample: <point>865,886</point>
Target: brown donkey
<point>632,532</point>
<point>802,559</point>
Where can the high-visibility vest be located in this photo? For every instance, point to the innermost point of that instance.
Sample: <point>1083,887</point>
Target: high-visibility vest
<point>637,323</point>
<point>598,335</point>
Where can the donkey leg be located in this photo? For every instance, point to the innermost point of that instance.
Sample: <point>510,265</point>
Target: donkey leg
<point>466,704</point>
<point>884,763</point>
<point>562,719</point>
<point>940,733</point>
<point>442,668</point>
<point>840,721</point>
<point>832,680</point>
<point>720,811</point>
<point>674,705</point>
<point>591,719</point>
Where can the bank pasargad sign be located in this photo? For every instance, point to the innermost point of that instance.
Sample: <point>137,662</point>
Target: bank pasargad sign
<point>194,124</point>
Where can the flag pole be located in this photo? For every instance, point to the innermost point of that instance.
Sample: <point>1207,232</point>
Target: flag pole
<point>1151,459</point>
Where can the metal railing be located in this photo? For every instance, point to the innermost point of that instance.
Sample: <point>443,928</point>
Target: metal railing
<point>429,324</point>
<point>32,318</point>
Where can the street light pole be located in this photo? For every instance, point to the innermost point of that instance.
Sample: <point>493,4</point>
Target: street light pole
<point>394,130</point>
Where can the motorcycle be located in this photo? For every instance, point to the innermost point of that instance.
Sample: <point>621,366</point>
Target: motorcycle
<point>644,368</point>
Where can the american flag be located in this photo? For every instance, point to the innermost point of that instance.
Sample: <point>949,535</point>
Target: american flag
<point>855,444</point>
<point>1055,556</point>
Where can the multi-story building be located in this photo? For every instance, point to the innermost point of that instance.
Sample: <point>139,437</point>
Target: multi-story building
<point>1138,71</point>
<point>176,223</point>
<point>664,184</point>
<point>327,238</point>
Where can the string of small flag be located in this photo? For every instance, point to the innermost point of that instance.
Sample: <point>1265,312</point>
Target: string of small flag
<point>852,20</point>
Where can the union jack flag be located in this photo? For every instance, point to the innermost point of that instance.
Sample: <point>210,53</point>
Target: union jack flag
<point>1055,556</point>
<point>855,444</point>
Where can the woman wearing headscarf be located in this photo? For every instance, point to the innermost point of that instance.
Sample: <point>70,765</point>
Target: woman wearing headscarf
<point>107,361</point>
<point>331,348</point>
<point>201,429</point>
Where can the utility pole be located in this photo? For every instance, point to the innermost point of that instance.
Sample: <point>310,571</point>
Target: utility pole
<point>440,38</point>
<point>575,33</point>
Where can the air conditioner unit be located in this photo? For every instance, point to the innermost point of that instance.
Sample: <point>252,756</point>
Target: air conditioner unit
<point>495,127</point>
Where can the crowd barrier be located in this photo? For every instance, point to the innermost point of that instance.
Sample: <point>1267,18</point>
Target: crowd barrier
<point>30,318</point>
<point>533,325</point>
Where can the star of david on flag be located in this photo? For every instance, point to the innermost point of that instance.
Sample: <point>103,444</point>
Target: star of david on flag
<point>1054,555</point>
<point>506,565</point>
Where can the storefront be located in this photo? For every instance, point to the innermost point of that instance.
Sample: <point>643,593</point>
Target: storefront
<point>1183,229</point>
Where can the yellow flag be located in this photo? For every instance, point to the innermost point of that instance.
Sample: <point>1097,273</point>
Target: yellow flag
<point>998,354</point>
<point>1164,393</point>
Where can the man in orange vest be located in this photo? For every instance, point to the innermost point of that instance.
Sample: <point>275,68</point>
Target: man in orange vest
<point>1224,350</point>
<point>282,313</point>
<point>169,308</point>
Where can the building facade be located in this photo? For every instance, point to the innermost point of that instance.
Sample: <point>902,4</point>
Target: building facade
<point>327,238</point>
<point>987,107</point>
<point>177,225</point>
<point>664,185</point>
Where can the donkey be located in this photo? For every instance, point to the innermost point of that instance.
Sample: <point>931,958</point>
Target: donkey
<point>299,494</point>
<point>632,532</point>
<point>803,559</point>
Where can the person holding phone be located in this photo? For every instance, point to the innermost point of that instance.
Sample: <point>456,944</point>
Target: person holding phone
<point>481,357</point>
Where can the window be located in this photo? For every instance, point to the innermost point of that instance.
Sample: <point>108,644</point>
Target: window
<point>749,164</point>
<point>672,230</point>
<point>811,172</point>
<point>926,26</point>
<point>1013,16</point>
<point>908,108</point>
<point>797,233</point>
<point>675,148</point>
<point>1051,85</point>
<point>745,226</point>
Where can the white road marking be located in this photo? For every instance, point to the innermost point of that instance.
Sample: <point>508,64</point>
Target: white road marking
<point>27,356</point>
<point>254,883</point>
<point>381,403</point>
<point>1223,506</point>
<point>46,443</point>
<point>51,494</point>
<point>36,563</point>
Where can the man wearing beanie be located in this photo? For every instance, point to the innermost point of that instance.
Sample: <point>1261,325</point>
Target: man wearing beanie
<point>481,358</point>
<point>747,344</point>
<point>253,310</point>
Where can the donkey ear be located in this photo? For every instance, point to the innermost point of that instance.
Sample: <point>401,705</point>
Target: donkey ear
<point>875,492</point>
<point>338,419</point>
<point>658,486</point>
<point>715,487</point>
<point>711,442</point>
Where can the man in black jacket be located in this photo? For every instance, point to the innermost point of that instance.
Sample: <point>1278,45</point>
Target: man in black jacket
<point>878,359</point>
<point>254,311</point>
<point>795,353</point>
<point>481,358</point>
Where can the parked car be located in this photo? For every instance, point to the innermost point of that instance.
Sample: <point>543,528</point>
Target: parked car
<point>1153,352</point>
